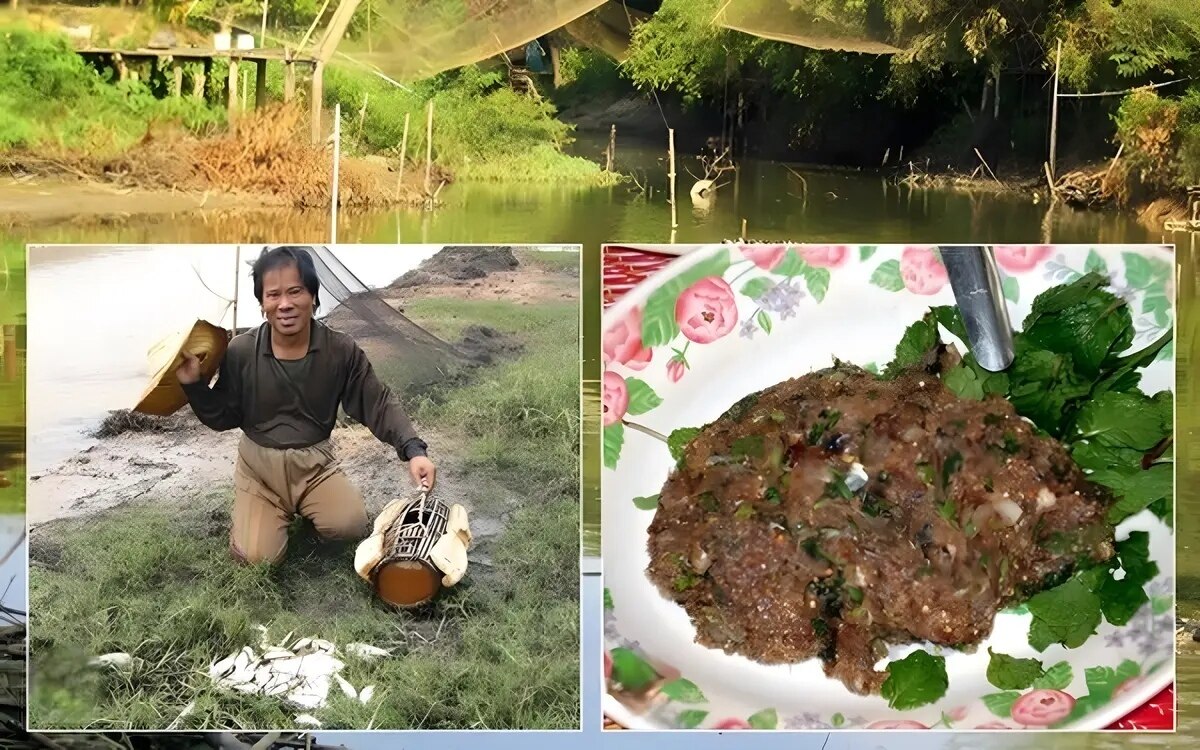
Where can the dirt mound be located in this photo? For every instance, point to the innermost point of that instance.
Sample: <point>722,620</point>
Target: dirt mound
<point>486,345</point>
<point>454,264</point>
<point>123,420</point>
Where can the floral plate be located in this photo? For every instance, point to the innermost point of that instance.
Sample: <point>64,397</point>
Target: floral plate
<point>706,330</point>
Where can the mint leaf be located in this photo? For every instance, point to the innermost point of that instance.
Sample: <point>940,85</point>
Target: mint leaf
<point>1121,600</point>
<point>963,381</point>
<point>678,440</point>
<point>1057,677</point>
<point>1090,327</point>
<point>684,691</point>
<point>1009,673</point>
<point>632,671</point>
<point>646,503</point>
<point>1068,614</point>
<point>916,680</point>
<point>1136,489</point>
<point>888,277</point>
<point>1134,554</point>
<point>915,345</point>
<point>950,317</point>
<point>642,397</point>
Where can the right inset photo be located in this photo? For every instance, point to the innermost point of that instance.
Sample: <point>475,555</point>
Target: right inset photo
<point>923,487</point>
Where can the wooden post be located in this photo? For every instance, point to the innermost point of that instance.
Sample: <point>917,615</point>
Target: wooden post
<point>10,353</point>
<point>231,86</point>
<point>403,153</point>
<point>289,76</point>
<point>555,63</point>
<point>612,148</point>
<point>237,276</point>
<point>429,151</point>
<point>119,64</point>
<point>205,77</point>
<point>315,100</point>
<point>260,84</point>
<point>1054,112</point>
<point>177,78</point>
<point>337,143</point>
<point>671,175</point>
<point>262,37</point>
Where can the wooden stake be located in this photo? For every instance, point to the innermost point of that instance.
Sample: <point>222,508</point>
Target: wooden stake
<point>260,84</point>
<point>989,169</point>
<point>429,149</point>
<point>743,229</point>
<point>612,148</point>
<point>176,78</point>
<point>886,152</point>
<point>232,86</point>
<point>315,100</point>
<point>403,155</point>
<point>671,175</point>
<point>289,78</point>
<point>262,37</point>
<point>337,144</point>
<point>1054,111</point>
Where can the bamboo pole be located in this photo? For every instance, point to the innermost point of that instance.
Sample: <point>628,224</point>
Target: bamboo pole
<point>232,86</point>
<point>1054,112</point>
<point>671,175</point>
<point>337,148</point>
<point>429,150</point>
<point>612,148</point>
<point>262,37</point>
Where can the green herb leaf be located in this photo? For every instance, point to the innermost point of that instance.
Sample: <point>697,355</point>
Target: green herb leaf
<point>963,382</point>
<point>1068,614</point>
<point>1088,323</point>
<point>1122,420</point>
<point>1137,489</point>
<point>630,670</point>
<point>1009,673</point>
<point>744,511</point>
<point>918,341</point>
<point>916,680</point>
<point>649,502</point>
<point>678,440</point>
<point>749,446</point>
<point>683,691</point>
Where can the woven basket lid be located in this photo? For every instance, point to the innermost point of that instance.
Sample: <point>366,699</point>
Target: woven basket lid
<point>164,395</point>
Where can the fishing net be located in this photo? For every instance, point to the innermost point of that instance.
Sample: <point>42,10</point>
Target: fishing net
<point>845,25</point>
<point>414,39</point>
<point>607,29</point>
<point>403,354</point>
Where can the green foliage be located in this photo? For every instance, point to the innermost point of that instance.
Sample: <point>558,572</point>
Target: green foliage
<point>1161,137</point>
<point>50,98</point>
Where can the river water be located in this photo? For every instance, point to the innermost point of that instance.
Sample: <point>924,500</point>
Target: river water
<point>819,206</point>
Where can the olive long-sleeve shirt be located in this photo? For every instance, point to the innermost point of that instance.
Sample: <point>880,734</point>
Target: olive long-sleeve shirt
<point>294,403</point>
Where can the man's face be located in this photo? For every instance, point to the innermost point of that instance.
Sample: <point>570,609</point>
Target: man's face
<point>286,302</point>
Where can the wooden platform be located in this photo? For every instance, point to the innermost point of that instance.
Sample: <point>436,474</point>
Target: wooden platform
<point>202,53</point>
<point>177,57</point>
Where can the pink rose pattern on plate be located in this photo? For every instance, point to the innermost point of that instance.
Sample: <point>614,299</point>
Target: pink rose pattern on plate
<point>707,311</point>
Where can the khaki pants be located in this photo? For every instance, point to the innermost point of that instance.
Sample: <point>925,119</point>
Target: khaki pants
<point>272,486</point>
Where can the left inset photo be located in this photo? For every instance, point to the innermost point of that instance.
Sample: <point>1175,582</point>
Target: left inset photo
<point>304,487</point>
<point>12,484</point>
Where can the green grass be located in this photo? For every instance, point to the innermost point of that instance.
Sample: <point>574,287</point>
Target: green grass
<point>554,261</point>
<point>155,581</point>
<point>51,101</point>
<point>525,413</point>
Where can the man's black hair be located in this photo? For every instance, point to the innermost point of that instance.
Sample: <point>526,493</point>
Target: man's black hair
<point>282,257</point>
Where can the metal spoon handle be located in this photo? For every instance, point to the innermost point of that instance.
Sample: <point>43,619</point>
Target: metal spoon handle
<point>977,290</point>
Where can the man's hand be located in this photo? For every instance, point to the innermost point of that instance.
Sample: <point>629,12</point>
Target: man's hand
<point>189,371</point>
<point>423,471</point>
